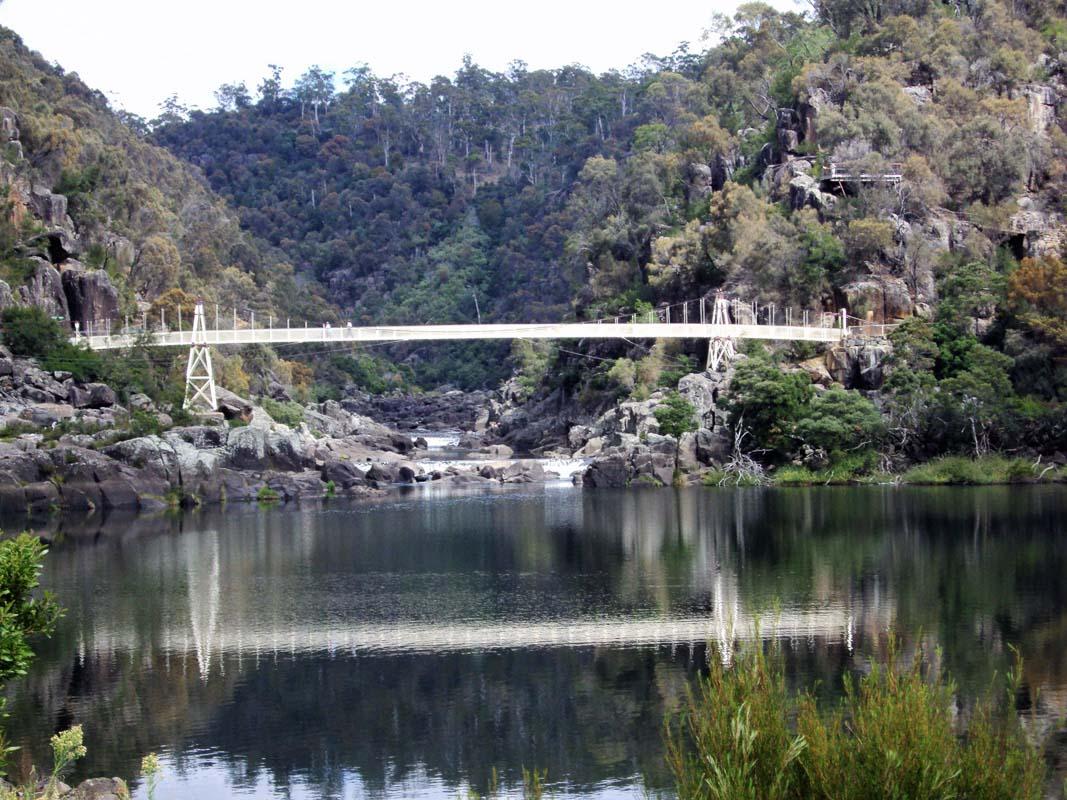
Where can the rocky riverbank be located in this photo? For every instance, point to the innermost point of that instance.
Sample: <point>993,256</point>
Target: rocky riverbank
<point>66,445</point>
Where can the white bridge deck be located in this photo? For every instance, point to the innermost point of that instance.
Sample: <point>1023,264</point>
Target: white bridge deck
<point>426,333</point>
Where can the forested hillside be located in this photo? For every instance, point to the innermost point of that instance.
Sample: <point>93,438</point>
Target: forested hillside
<point>90,201</point>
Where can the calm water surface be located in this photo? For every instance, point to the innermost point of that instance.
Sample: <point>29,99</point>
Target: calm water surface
<point>405,648</point>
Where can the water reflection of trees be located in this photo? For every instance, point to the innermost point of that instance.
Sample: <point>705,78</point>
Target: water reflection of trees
<point>972,569</point>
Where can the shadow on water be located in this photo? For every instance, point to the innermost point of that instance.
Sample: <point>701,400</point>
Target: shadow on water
<point>406,646</point>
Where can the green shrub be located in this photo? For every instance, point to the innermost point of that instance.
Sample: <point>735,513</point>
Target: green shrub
<point>16,428</point>
<point>675,416</point>
<point>81,362</point>
<point>30,332</point>
<point>25,614</point>
<point>17,271</point>
<point>287,413</point>
<point>893,735</point>
<point>844,468</point>
<point>267,495</point>
<point>732,739</point>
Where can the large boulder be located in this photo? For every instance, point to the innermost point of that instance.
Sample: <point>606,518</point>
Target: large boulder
<point>231,405</point>
<point>713,447</point>
<point>49,207</point>
<point>858,363</point>
<point>45,290</point>
<point>611,472</point>
<point>296,485</point>
<point>380,474</point>
<point>246,448</point>
<point>804,192</point>
<point>636,418</point>
<point>7,298</point>
<point>255,448</point>
<point>100,789</point>
<point>654,468</point>
<point>9,124</point>
<point>523,472</point>
<point>100,395</point>
<point>700,182</point>
<point>45,415</point>
<point>201,437</point>
<point>722,170</point>
<point>343,474</point>
<point>878,298</point>
<point>90,296</point>
<point>702,389</point>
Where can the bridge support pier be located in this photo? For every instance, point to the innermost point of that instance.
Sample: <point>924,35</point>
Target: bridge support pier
<point>199,375</point>
<point>720,349</point>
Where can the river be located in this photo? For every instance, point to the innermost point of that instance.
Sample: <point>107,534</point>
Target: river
<point>408,646</point>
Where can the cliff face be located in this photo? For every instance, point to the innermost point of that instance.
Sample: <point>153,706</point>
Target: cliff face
<point>53,277</point>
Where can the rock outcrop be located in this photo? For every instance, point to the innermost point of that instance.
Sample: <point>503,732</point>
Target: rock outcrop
<point>858,362</point>
<point>45,290</point>
<point>89,294</point>
<point>625,447</point>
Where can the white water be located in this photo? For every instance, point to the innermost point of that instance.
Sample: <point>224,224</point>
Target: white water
<point>438,440</point>
<point>564,467</point>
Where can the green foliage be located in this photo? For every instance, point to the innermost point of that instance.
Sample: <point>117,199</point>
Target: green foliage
<point>767,402</point>
<point>115,181</point>
<point>623,375</point>
<point>29,331</point>
<point>67,747</point>
<point>732,739</point>
<point>838,420</point>
<point>23,615</point>
<point>267,495</point>
<point>675,415</point>
<point>844,468</point>
<point>542,193</point>
<point>894,735</point>
<point>533,359</point>
<point>969,291</point>
<point>287,413</point>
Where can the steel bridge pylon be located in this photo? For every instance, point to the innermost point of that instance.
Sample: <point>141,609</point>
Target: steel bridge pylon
<point>199,375</point>
<point>720,349</point>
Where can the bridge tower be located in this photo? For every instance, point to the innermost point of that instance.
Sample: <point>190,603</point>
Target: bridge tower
<point>720,349</point>
<point>199,376</point>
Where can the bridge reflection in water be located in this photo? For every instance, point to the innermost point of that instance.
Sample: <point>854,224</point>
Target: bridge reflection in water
<point>223,618</point>
<point>409,646</point>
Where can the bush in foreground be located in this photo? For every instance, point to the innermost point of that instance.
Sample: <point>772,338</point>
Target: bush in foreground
<point>894,735</point>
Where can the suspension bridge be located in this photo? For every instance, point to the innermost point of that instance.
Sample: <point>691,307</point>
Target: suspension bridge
<point>721,322</point>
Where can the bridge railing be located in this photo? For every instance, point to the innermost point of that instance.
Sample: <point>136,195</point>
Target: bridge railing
<point>687,319</point>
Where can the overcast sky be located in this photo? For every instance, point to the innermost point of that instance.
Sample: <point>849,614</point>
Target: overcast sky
<point>140,51</point>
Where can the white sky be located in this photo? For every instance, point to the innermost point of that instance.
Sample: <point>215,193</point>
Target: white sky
<point>140,51</point>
